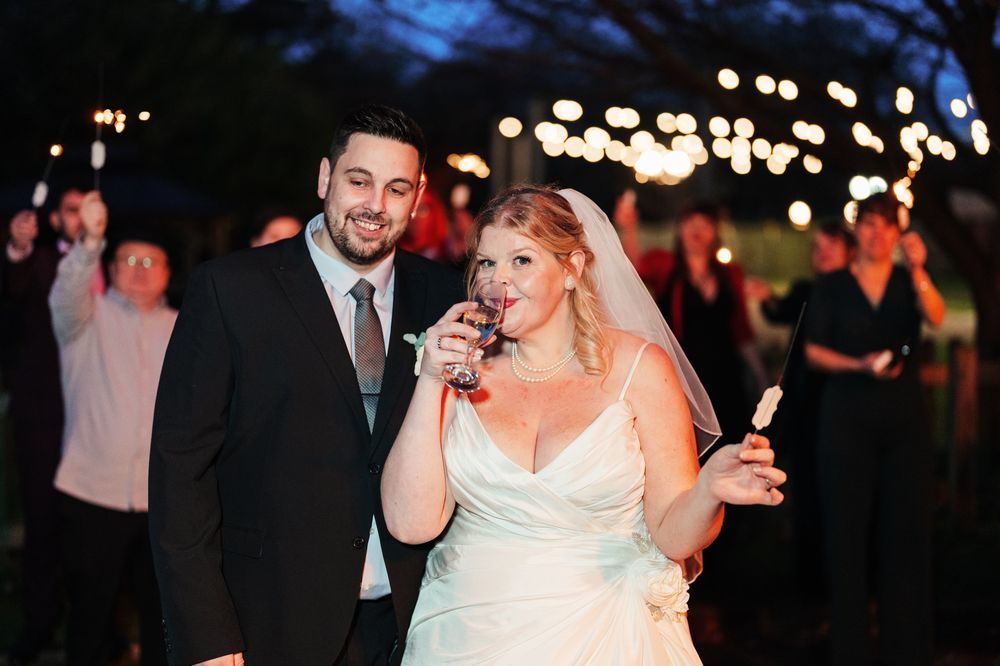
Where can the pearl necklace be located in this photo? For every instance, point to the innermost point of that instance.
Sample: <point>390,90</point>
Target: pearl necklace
<point>515,360</point>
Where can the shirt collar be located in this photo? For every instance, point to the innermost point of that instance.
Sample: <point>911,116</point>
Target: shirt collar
<point>339,275</point>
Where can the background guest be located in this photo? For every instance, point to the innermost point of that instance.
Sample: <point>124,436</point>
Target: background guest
<point>273,225</point>
<point>874,453</point>
<point>111,348</point>
<point>30,365</point>
<point>703,301</point>
<point>427,231</point>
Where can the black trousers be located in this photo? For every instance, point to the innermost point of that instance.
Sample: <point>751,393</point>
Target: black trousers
<point>37,443</point>
<point>875,471</point>
<point>102,547</point>
<point>373,640</point>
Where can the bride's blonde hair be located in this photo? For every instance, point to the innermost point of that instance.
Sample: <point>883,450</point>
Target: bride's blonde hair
<point>540,214</point>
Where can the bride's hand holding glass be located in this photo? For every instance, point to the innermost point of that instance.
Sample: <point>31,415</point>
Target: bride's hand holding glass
<point>446,341</point>
<point>454,342</point>
<point>489,299</point>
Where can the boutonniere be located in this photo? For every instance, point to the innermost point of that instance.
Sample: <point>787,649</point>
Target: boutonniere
<point>418,346</point>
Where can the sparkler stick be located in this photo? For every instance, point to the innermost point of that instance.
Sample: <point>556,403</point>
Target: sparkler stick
<point>97,149</point>
<point>769,401</point>
<point>41,191</point>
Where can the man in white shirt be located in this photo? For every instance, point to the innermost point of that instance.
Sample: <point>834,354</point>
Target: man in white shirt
<point>111,347</point>
<point>283,388</point>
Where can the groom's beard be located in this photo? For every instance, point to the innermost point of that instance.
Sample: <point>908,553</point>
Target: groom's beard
<point>352,245</point>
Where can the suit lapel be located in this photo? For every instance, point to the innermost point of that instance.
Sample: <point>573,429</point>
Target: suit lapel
<point>398,379</point>
<point>304,288</point>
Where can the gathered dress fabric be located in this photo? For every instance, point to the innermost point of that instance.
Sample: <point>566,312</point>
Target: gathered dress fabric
<point>553,567</point>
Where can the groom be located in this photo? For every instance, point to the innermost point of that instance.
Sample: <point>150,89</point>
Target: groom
<point>285,382</point>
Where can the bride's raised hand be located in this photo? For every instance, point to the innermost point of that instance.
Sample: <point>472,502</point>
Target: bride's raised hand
<point>745,473</point>
<point>446,341</point>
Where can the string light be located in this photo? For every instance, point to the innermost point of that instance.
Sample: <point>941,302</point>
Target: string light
<point>743,128</point>
<point>667,123</point>
<point>722,148</point>
<point>686,124</point>
<point>553,149</point>
<point>788,90</point>
<point>614,150</point>
<point>509,127</point>
<point>728,79</point>
<point>800,214</point>
<point>567,109</point>
<point>718,126</point>
<point>904,100</point>
<point>630,118</point>
<point>575,146</point>
<point>816,134</point>
<point>641,140</point>
<point>597,137</point>
<point>765,84</point>
<point>613,116</point>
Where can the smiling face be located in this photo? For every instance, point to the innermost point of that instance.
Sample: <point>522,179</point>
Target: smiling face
<point>536,280</point>
<point>368,197</point>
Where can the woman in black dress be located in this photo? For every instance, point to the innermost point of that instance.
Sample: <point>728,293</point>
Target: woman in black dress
<point>873,453</point>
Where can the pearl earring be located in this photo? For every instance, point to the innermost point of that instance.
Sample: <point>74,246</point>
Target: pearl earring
<point>569,283</point>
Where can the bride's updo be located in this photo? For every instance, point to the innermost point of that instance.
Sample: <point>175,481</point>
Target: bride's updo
<point>538,213</point>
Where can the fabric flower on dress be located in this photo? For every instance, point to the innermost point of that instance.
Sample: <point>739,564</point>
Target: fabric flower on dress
<point>660,581</point>
<point>418,345</point>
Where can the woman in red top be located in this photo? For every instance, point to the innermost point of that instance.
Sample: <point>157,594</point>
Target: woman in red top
<point>702,300</point>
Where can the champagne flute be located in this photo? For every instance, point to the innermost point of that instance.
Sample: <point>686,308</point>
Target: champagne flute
<point>489,298</point>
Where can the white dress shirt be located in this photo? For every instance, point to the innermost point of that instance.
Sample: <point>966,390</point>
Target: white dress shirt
<point>338,279</point>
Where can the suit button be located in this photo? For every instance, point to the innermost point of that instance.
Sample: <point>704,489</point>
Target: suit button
<point>359,542</point>
<point>374,468</point>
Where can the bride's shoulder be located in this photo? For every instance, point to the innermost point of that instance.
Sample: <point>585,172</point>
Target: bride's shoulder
<point>624,349</point>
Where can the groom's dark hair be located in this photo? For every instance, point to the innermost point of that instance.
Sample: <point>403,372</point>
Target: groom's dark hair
<point>381,121</point>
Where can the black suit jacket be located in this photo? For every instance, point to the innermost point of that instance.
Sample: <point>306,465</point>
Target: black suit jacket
<point>29,357</point>
<point>263,476</point>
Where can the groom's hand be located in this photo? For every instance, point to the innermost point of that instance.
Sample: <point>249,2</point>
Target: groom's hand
<point>227,660</point>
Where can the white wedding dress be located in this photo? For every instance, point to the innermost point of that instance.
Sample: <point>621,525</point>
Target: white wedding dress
<point>551,568</point>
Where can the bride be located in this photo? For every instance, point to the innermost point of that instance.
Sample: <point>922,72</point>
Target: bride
<point>568,487</point>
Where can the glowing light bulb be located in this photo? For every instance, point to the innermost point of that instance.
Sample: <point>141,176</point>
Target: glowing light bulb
<point>567,109</point>
<point>765,84</point>
<point>718,126</point>
<point>800,214</point>
<point>728,79</point>
<point>788,90</point>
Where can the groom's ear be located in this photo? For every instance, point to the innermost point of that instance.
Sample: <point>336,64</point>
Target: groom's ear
<point>421,187</point>
<point>323,180</point>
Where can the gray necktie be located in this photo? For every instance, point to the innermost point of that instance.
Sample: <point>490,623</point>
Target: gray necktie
<point>369,348</point>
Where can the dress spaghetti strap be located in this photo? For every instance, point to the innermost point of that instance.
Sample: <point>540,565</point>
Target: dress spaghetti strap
<point>631,372</point>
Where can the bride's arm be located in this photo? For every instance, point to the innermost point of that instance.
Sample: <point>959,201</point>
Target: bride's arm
<point>682,517</point>
<point>684,507</point>
<point>415,497</point>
